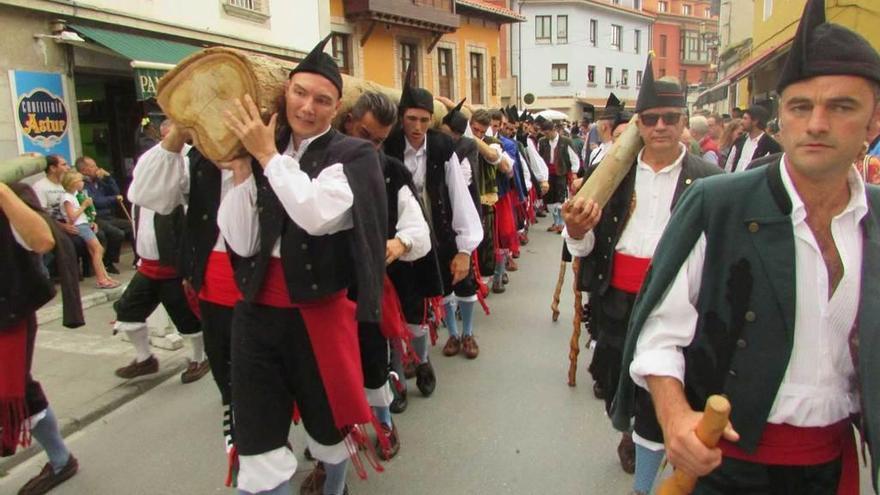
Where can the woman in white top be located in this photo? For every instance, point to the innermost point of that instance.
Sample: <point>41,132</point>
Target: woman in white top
<point>76,215</point>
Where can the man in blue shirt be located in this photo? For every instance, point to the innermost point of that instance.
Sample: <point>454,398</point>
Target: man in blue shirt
<point>105,194</point>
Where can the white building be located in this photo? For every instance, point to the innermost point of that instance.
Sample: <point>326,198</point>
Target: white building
<point>107,56</point>
<point>569,54</point>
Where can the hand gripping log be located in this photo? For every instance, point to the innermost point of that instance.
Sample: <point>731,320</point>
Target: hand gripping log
<point>709,431</point>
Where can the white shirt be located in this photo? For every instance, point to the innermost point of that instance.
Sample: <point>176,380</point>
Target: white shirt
<point>537,164</point>
<point>160,182</point>
<point>465,219</point>
<point>71,198</point>
<point>51,195</point>
<point>147,245</point>
<point>320,206</point>
<point>749,147</point>
<point>599,153</point>
<point>817,389</point>
<point>654,192</point>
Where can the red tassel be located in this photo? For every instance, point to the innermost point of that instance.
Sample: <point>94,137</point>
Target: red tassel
<point>232,471</point>
<point>296,416</point>
<point>435,304</point>
<point>357,441</point>
<point>482,288</point>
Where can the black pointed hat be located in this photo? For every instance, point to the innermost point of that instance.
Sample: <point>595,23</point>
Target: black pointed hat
<point>613,107</point>
<point>526,117</point>
<point>660,93</point>
<point>321,63</point>
<point>824,49</point>
<point>455,119</point>
<point>414,97</point>
<point>512,114</point>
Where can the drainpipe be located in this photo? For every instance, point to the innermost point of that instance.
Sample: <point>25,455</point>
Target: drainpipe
<point>519,58</point>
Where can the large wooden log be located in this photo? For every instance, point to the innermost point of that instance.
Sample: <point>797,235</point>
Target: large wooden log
<point>196,93</point>
<point>20,167</point>
<point>614,167</point>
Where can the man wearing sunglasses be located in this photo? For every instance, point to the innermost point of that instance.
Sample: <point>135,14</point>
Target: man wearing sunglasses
<point>616,243</point>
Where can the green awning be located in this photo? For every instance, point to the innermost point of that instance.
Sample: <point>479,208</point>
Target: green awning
<point>150,57</point>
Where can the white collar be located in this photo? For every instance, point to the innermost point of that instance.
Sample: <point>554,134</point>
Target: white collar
<point>757,138</point>
<point>858,202</point>
<point>555,140</point>
<point>672,166</point>
<point>418,152</point>
<point>303,145</point>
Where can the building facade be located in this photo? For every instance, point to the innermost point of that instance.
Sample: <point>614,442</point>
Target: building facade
<point>103,58</point>
<point>569,55</point>
<point>455,46</point>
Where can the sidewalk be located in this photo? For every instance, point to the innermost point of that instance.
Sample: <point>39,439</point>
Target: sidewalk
<point>75,366</point>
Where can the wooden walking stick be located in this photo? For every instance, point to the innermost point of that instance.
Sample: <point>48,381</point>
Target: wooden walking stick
<point>124,209</point>
<point>709,431</point>
<point>554,306</point>
<point>574,344</point>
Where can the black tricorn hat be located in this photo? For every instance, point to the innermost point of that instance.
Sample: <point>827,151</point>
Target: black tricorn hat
<point>526,117</point>
<point>824,49</point>
<point>321,63</point>
<point>613,107</point>
<point>512,114</point>
<point>414,97</point>
<point>455,119</point>
<point>655,94</point>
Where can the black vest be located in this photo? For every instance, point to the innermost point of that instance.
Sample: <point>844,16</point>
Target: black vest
<point>318,266</point>
<point>167,228</point>
<point>440,149</point>
<point>425,270</point>
<point>595,274</point>
<point>466,149</point>
<point>564,165</point>
<point>200,234</point>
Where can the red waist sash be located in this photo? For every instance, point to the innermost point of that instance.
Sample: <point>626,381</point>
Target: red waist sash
<point>628,272</point>
<point>274,291</point>
<point>786,445</point>
<point>219,285</point>
<point>153,270</point>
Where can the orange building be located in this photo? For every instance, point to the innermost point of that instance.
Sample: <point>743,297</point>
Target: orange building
<point>685,40</point>
<point>455,45</point>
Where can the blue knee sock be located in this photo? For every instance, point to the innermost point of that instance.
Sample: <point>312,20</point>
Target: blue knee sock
<point>334,484</point>
<point>397,366</point>
<point>282,489</point>
<point>467,316</point>
<point>47,433</point>
<point>383,414</point>
<point>420,346</point>
<point>451,323</point>
<point>500,266</point>
<point>647,464</point>
<point>557,215</point>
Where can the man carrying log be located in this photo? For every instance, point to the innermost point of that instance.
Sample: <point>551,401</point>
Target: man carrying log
<point>412,266</point>
<point>561,159</point>
<point>307,222</point>
<point>764,288</point>
<point>616,243</point>
<point>430,156</point>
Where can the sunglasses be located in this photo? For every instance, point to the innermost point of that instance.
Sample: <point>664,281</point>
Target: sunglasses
<point>651,119</point>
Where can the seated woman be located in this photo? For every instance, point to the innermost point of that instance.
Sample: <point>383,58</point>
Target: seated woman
<point>76,215</point>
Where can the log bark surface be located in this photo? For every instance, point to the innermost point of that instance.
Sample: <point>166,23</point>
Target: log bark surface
<point>197,92</point>
<point>20,167</point>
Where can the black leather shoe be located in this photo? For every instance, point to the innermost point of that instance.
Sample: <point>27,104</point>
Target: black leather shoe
<point>399,404</point>
<point>426,380</point>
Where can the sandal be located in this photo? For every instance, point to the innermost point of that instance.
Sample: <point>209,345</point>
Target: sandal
<point>107,285</point>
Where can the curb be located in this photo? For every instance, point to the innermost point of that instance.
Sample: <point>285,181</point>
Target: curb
<point>49,314</point>
<point>99,407</point>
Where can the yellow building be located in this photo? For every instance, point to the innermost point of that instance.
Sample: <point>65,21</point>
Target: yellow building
<point>775,23</point>
<point>456,45</point>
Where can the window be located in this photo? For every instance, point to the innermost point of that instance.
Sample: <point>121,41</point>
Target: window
<point>409,55</point>
<point>609,76</point>
<point>768,9</point>
<point>708,13</point>
<point>662,6</point>
<point>662,45</point>
<point>616,2</point>
<point>638,79</point>
<point>253,10</point>
<point>594,31</point>
<point>683,77</point>
<point>686,9</point>
<point>693,47</point>
<point>637,4</point>
<point>591,74</point>
<point>662,72</point>
<point>638,41</point>
<point>559,73</point>
<point>444,71</point>
<point>342,52</point>
<point>543,29</point>
<point>616,35</point>
<point>477,78</point>
<point>562,29</point>
<point>704,76</point>
<point>624,78</point>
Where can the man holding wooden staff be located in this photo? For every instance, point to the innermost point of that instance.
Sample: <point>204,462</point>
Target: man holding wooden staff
<point>764,288</point>
<point>618,241</point>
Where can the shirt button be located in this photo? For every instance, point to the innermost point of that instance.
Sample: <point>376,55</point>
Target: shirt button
<point>754,227</point>
<point>688,182</point>
<point>304,246</point>
<point>741,343</point>
<point>732,373</point>
<point>615,219</point>
<point>243,280</point>
<point>205,216</point>
<point>314,286</point>
<point>750,316</point>
<point>308,266</point>
<point>253,264</point>
<point>601,276</point>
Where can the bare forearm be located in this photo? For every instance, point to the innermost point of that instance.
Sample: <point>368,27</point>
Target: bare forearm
<point>667,394</point>
<point>489,153</point>
<point>32,228</point>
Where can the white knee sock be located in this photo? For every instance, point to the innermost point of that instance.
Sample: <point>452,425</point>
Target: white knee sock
<point>197,343</point>
<point>140,339</point>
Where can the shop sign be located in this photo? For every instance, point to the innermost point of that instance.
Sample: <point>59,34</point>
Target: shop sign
<point>42,115</point>
<point>147,82</point>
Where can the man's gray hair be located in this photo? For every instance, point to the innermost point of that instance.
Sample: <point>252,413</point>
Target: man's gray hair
<point>380,105</point>
<point>699,125</point>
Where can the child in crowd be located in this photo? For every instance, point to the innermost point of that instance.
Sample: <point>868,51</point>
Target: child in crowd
<point>76,215</point>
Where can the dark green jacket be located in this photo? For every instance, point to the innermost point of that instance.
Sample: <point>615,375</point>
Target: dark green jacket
<point>746,304</point>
